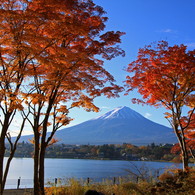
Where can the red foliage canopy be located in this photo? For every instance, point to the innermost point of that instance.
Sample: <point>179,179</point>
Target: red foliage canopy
<point>165,76</point>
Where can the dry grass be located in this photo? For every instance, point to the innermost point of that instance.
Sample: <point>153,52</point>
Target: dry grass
<point>173,182</point>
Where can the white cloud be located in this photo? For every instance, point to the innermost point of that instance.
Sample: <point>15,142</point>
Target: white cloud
<point>147,115</point>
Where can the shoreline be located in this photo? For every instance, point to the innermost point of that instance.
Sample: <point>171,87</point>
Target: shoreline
<point>102,159</point>
<point>20,191</point>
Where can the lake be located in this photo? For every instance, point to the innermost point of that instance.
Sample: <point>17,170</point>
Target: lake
<point>97,170</point>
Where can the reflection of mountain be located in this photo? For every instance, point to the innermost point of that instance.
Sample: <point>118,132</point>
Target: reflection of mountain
<point>119,125</point>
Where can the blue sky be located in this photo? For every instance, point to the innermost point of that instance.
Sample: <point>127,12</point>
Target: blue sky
<point>143,22</point>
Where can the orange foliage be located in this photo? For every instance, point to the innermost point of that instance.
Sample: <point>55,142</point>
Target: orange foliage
<point>53,141</point>
<point>94,150</point>
<point>130,146</point>
<point>143,148</point>
<point>53,50</point>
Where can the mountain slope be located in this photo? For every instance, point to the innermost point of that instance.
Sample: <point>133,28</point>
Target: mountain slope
<point>119,125</point>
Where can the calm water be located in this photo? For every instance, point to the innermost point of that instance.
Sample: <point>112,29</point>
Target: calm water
<point>96,170</point>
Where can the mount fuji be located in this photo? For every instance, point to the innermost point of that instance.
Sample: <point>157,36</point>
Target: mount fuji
<point>119,125</point>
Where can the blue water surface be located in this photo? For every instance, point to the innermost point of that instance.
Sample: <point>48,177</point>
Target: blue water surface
<point>96,170</point>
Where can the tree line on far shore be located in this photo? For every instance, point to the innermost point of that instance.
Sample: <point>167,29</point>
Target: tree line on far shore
<point>125,151</point>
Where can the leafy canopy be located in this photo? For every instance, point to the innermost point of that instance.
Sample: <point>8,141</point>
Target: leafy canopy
<point>163,76</point>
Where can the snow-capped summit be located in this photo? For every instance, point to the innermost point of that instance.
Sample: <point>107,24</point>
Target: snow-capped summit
<point>122,112</point>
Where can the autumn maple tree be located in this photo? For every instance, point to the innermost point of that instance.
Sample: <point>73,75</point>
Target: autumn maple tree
<point>165,76</point>
<point>58,48</point>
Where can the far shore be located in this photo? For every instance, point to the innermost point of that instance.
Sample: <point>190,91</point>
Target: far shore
<point>96,158</point>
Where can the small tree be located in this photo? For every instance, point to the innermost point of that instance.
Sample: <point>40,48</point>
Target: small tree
<point>165,76</point>
<point>14,66</point>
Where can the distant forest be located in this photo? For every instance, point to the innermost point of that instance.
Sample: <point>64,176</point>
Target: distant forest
<point>126,151</point>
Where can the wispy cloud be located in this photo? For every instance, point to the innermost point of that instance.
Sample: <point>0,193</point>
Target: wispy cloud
<point>190,44</point>
<point>15,128</point>
<point>147,115</point>
<point>166,31</point>
<point>17,123</point>
<point>105,107</point>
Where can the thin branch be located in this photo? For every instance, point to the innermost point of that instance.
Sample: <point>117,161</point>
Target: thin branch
<point>192,154</point>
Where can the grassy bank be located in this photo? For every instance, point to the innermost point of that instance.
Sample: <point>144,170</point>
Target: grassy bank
<point>173,182</point>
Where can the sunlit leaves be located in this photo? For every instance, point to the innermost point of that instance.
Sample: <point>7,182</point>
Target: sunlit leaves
<point>163,74</point>
<point>168,115</point>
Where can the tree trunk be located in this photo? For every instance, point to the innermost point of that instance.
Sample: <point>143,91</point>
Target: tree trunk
<point>184,154</point>
<point>42,157</point>
<point>2,152</point>
<point>41,167</point>
<point>43,148</point>
<point>12,152</point>
<point>2,149</point>
<point>183,149</point>
<point>7,169</point>
<point>36,164</point>
<point>185,161</point>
